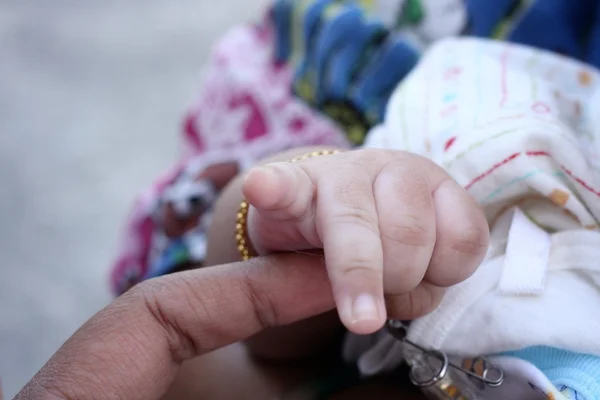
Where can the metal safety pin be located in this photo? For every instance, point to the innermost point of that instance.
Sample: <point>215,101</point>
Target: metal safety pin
<point>399,331</point>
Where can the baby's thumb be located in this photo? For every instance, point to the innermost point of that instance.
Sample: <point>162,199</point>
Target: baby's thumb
<point>282,197</point>
<point>280,191</point>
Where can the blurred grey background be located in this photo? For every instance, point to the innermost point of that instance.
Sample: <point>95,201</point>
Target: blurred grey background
<point>91,96</point>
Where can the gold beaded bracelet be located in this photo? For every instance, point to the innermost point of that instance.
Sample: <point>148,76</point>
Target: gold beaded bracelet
<point>241,233</point>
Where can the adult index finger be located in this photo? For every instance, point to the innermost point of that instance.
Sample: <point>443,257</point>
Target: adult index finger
<point>133,348</point>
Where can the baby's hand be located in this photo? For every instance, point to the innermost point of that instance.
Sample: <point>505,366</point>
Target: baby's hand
<point>389,222</point>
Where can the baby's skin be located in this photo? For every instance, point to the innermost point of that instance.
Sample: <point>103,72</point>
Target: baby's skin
<point>395,228</point>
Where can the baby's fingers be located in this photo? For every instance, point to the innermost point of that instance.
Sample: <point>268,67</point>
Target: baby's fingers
<point>407,221</point>
<point>433,234</point>
<point>349,228</point>
<point>461,238</point>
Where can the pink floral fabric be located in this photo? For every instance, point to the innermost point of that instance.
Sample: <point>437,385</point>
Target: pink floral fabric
<point>244,111</point>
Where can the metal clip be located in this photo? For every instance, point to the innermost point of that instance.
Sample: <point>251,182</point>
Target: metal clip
<point>490,376</point>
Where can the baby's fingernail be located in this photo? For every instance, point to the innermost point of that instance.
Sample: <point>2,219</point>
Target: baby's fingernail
<point>362,314</point>
<point>263,186</point>
<point>364,308</point>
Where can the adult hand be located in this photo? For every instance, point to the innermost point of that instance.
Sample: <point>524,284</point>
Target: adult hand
<point>133,348</point>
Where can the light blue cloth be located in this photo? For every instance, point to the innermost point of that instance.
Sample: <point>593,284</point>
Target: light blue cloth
<point>577,375</point>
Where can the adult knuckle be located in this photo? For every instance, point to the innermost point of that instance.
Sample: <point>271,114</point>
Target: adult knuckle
<point>145,294</point>
<point>265,313</point>
<point>180,342</point>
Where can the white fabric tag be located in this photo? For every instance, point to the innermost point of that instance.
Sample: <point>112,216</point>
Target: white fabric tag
<point>526,260</point>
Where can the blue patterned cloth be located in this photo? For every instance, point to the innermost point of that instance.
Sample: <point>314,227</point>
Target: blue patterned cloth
<point>568,27</point>
<point>347,61</point>
<point>575,375</point>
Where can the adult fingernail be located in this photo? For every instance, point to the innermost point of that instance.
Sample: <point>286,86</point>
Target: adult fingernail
<point>364,308</point>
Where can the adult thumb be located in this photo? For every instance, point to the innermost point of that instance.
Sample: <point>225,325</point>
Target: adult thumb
<point>133,348</point>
